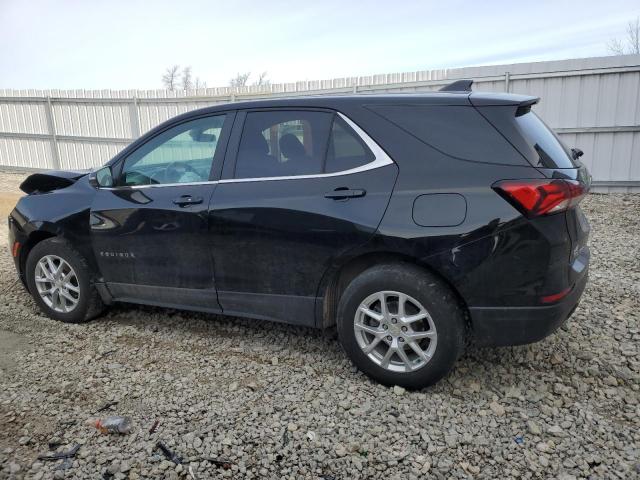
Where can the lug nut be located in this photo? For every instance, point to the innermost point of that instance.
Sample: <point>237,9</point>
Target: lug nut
<point>401,339</point>
<point>385,326</point>
<point>389,338</point>
<point>394,320</point>
<point>404,329</point>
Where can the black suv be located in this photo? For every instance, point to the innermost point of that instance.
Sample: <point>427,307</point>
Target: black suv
<point>413,222</point>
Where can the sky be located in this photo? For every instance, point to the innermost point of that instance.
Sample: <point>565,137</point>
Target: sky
<point>94,44</point>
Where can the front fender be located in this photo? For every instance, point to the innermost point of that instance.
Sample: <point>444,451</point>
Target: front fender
<point>62,213</point>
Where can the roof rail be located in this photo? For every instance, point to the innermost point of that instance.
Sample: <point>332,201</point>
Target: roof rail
<point>458,86</point>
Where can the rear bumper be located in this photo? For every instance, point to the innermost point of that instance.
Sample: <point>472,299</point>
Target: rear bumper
<point>504,326</point>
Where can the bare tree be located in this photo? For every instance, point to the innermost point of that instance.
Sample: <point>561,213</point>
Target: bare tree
<point>633,36</point>
<point>187,83</point>
<point>199,83</point>
<point>240,80</point>
<point>170,77</point>
<point>262,80</point>
<point>631,42</point>
<point>615,47</point>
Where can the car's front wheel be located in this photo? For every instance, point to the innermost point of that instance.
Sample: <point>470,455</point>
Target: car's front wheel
<point>401,325</point>
<point>59,280</point>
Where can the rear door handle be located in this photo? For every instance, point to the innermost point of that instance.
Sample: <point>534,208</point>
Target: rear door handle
<point>184,200</point>
<point>343,193</point>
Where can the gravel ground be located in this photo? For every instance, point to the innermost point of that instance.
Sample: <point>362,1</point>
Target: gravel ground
<point>247,399</point>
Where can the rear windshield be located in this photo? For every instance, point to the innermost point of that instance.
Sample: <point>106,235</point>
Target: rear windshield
<point>552,153</point>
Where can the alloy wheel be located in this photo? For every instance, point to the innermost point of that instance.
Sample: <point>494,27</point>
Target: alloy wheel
<point>57,283</point>
<point>395,331</point>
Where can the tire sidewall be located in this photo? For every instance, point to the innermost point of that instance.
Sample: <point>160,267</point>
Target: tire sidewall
<point>59,248</point>
<point>436,298</point>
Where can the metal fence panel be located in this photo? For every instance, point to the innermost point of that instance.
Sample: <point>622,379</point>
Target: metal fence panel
<point>26,153</point>
<point>593,103</point>
<point>82,155</point>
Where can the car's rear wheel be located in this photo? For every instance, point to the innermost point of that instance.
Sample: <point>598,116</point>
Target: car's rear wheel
<point>401,325</point>
<point>59,280</point>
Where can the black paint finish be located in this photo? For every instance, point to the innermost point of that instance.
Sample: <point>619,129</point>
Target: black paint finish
<point>278,237</point>
<point>140,236</point>
<point>276,249</point>
<point>439,210</point>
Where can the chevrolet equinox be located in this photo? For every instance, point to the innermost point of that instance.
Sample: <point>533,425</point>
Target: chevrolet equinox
<point>413,222</point>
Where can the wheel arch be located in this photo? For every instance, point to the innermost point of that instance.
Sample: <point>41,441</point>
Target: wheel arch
<point>37,232</point>
<point>337,280</point>
<point>34,238</point>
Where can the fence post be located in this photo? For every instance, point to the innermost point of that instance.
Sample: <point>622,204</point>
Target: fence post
<point>134,120</point>
<point>51,127</point>
<point>507,81</point>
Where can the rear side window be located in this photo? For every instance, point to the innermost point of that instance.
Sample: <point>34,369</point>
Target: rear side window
<point>346,150</point>
<point>283,143</point>
<point>292,143</point>
<point>458,131</point>
<point>552,153</point>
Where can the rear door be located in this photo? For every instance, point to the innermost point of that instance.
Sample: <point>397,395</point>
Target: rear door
<point>149,232</point>
<point>300,188</point>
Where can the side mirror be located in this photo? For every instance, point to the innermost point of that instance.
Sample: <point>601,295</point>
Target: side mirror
<point>101,178</point>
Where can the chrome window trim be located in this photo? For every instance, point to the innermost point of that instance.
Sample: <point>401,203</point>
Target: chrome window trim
<point>381,159</point>
<point>157,185</point>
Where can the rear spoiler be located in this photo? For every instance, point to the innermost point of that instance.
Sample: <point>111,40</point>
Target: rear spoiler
<point>486,99</point>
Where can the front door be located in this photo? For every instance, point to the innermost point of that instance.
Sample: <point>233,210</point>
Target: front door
<point>149,232</point>
<point>305,188</point>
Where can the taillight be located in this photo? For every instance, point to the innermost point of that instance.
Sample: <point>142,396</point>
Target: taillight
<point>541,197</point>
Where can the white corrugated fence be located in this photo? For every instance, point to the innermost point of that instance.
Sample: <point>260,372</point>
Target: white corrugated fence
<point>593,103</point>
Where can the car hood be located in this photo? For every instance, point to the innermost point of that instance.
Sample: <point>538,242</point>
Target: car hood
<point>51,180</point>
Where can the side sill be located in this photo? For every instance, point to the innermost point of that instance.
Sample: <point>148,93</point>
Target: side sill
<point>186,298</point>
<point>174,306</point>
<point>291,309</point>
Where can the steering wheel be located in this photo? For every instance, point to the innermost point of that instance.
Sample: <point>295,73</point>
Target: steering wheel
<point>175,171</point>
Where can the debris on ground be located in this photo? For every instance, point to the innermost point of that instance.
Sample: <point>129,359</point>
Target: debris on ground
<point>106,406</point>
<point>219,462</point>
<point>114,424</point>
<point>172,456</point>
<point>52,457</point>
<point>154,427</point>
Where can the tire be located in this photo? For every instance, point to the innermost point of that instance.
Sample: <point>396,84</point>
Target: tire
<point>88,302</point>
<point>418,288</point>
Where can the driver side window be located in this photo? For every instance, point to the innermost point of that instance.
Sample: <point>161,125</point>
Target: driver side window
<point>182,154</point>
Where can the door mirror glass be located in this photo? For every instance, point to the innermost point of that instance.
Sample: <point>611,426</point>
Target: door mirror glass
<point>103,177</point>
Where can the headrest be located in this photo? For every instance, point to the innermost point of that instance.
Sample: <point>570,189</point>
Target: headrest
<point>291,147</point>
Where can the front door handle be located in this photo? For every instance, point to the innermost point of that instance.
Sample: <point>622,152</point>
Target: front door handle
<point>184,200</point>
<point>344,193</point>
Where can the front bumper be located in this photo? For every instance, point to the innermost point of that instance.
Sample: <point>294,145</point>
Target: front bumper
<point>504,326</point>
